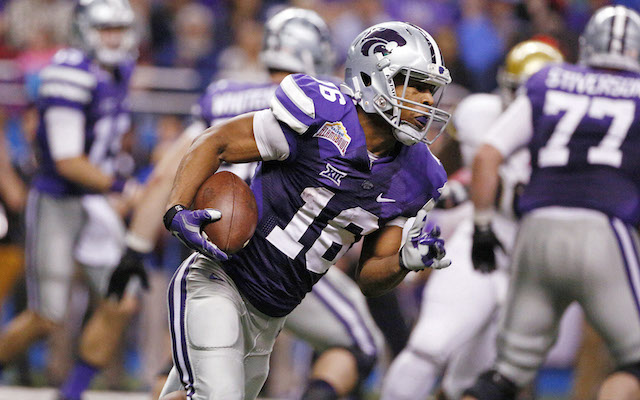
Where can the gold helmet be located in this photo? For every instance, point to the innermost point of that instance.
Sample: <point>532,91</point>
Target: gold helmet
<point>523,60</point>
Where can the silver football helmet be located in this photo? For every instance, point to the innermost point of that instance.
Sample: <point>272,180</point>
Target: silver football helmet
<point>297,40</point>
<point>611,39</point>
<point>91,16</point>
<point>385,53</point>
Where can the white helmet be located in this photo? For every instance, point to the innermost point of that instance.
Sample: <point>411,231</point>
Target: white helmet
<point>611,39</point>
<point>297,40</point>
<point>381,53</point>
<point>91,16</point>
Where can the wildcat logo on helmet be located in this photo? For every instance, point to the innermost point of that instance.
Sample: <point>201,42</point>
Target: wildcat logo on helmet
<point>381,40</point>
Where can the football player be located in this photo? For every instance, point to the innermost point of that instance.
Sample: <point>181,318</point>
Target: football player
<point>334,317</point>
<point>83,112</point>
<point>578,239</point>
<point>338,164</point>
<point>456,332</point>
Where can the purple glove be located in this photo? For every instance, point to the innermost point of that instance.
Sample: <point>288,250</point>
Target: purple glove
<point>186,225</point>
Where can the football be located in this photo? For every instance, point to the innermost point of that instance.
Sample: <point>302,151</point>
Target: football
<point>226,192</point>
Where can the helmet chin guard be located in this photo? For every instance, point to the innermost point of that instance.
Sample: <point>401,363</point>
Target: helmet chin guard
<point>375,60</point>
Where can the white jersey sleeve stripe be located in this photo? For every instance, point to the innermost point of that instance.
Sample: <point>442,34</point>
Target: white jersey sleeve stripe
<point>70,75</point>
<point>65,132</point>
<point>65,91</point>
<point>269,137</point>
<point>282,114</point>
<point>298,97</point>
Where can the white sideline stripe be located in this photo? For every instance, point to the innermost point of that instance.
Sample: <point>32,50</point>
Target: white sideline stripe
<point>298,97</point>
<point>69,75</point>
<point>285,116</point>
<point>24,393</point>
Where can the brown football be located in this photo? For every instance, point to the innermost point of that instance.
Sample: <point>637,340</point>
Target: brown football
<point>229,194</point>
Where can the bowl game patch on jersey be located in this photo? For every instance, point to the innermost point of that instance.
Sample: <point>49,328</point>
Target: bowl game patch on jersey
<point>336,133</point>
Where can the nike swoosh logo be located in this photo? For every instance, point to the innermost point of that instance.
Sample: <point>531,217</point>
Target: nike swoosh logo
<point>381,199</point>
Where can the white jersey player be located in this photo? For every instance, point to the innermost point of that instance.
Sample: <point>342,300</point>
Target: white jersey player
<point>455,332</point>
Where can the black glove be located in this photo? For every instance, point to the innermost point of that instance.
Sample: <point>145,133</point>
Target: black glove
<point>130,265</point>
<point>483,250</point>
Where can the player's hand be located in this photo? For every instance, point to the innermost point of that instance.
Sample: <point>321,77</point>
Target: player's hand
<point>130,265</point>
<point>187,225</point>
<point>454,194</point>
<point>424,248</point>
<point>485,243</point>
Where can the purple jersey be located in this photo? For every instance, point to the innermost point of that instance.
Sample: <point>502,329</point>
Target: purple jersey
<point>226,99</point>
<point>326,194</point>
<point>585,149</point>
<point>75,81</point>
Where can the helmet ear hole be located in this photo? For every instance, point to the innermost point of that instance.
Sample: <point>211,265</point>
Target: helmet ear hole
<point>366,79</point>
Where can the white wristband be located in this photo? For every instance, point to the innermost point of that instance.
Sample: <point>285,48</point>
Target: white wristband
<point>483,217</point>
<point>137,243</point>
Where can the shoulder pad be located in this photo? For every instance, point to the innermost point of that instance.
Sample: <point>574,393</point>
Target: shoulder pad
<point>228,99</point>
<point>474,115</point>
<point>68,77</point>
<point>220,84</point>
<point>302,101</point>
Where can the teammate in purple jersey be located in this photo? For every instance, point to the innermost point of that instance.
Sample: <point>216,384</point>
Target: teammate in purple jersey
<point>83,113</point>
<point>578,239</point>
<point>331,173</point>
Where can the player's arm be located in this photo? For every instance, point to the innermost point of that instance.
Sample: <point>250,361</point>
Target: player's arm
<point>385,261</point>
<point>146,219</point>
<point>234,141</point>
<point>65,134</point>
<point>379,268</point>
<point>511,131</point>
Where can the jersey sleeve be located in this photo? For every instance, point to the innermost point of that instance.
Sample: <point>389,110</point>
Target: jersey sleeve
<point>423,179</point>
<point>303,103</point>
<point>270,138</point>
<point>67,81</point>
<point>513,129</point>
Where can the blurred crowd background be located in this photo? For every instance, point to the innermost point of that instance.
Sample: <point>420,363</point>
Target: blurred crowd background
<point>184,45</point>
